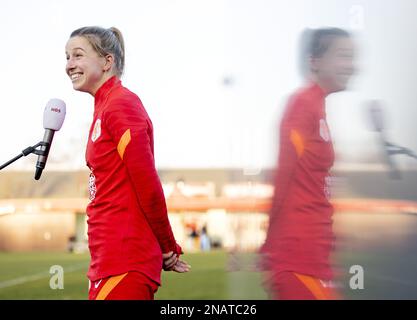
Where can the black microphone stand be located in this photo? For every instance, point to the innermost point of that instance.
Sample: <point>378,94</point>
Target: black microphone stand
<point>27,151</point>
<point>396,149</point>
<point>393,149</point>
<point>390,148</point>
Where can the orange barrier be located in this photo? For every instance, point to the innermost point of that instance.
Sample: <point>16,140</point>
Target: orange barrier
<point>183,204</point>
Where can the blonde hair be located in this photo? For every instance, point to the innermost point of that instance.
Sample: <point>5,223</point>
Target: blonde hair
<point>105,41</point>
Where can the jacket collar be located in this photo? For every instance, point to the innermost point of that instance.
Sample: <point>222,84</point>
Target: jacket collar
<point>314,87</point>
<point>103,92</point>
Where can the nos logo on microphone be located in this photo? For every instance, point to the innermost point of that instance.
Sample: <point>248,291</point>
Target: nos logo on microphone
<point>96,130</point>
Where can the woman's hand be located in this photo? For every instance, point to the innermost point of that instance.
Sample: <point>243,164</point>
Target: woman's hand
<point>173,263</point>
<point>181,266</point>
<point>170,259</point>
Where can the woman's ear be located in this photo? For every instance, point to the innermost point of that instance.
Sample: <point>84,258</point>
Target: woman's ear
<point>109,61</point>
<point>314,64</point>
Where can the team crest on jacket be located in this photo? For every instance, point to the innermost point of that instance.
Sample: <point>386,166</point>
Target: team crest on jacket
<point>324,130</point>
<point>96,130</point>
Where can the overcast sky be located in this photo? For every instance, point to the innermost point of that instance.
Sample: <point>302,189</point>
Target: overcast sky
<point>213,75</point>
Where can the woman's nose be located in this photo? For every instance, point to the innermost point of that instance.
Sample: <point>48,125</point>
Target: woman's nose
<point>70,65</point>
<point>352,67</point>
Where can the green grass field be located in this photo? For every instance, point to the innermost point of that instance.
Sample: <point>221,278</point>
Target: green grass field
<point>26,276</point>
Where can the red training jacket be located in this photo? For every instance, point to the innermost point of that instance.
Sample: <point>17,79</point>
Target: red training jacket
<point>128,226</point>
<point>300,237</point>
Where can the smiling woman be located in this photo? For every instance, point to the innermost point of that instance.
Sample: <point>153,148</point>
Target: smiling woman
<point>94,55</point>
<point>129,234</point>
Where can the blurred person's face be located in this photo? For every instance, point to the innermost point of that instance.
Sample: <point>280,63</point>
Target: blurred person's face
<point>335,67</point>
<point>85,67</point>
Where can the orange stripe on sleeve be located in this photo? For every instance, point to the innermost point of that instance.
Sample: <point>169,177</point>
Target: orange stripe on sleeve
<point>314,286</point>
<point>123,142</point>
<point>297,141</point>
<point>110,284</point>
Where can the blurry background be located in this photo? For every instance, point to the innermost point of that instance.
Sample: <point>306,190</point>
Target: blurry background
<point>214,77</point>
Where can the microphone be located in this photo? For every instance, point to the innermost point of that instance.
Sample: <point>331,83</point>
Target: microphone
<point>376,115</point>
<point>377,122</point>
<point>53,118</point>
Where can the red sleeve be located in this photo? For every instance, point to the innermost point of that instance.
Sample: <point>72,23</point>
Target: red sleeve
<point>129,122</point>
<point>295,130</point>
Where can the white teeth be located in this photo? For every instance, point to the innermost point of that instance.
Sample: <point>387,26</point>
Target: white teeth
<point>75,76</point>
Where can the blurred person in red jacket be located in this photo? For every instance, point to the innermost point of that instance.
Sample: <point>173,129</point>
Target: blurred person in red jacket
<point>130,236</point>
<point>300,239</point>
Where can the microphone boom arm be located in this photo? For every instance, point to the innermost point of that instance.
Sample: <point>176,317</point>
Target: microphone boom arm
<point>394,149</point>
<point>27,151</point>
